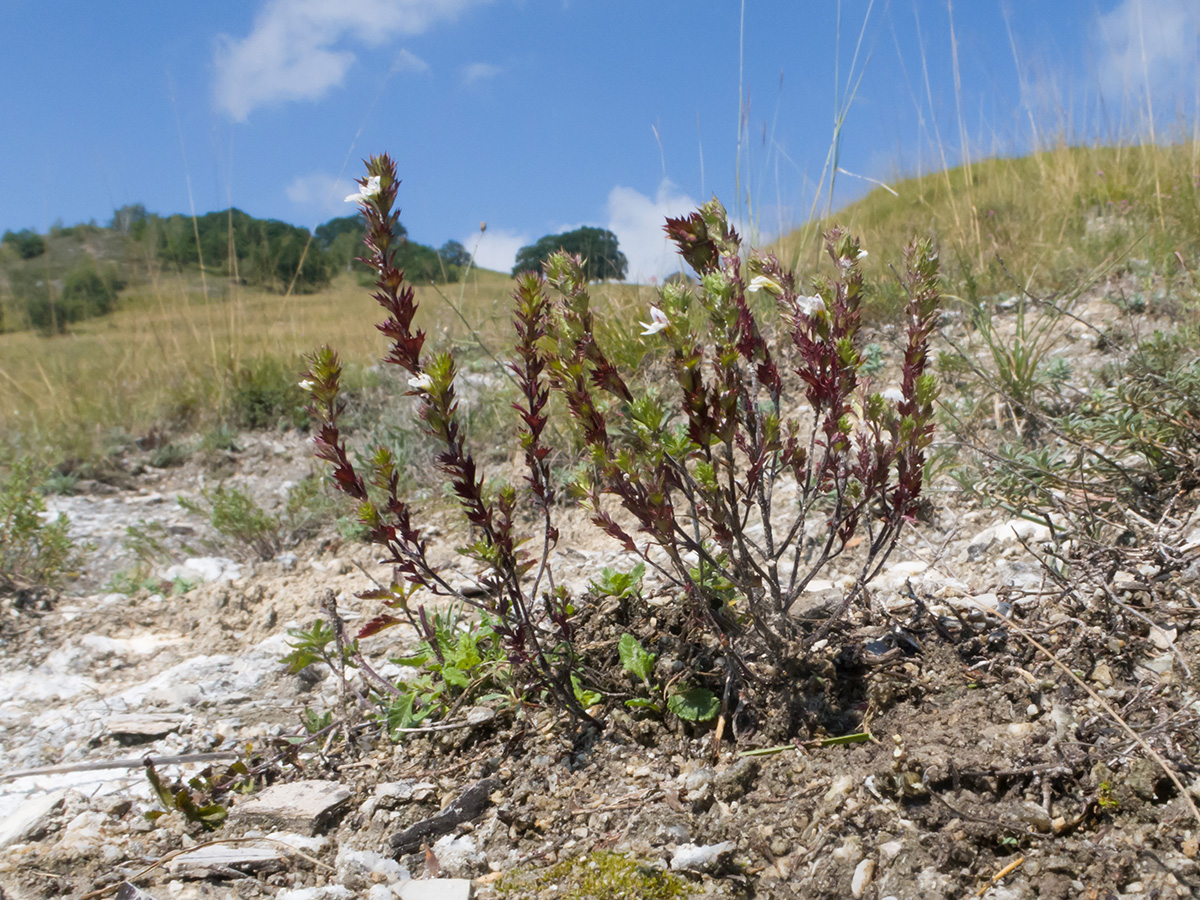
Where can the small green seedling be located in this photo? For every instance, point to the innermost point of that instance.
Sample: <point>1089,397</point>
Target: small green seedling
<point>211,816</point>
<point>621,585</point>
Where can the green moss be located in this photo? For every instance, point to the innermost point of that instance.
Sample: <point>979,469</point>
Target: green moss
<point>598,876</point>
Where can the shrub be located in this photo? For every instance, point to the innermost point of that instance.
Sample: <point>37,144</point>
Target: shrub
<point>263,394</point>
<point>86,294</point>
<point>34,553</point>
<point>703,492</point>
<point>236,516</point>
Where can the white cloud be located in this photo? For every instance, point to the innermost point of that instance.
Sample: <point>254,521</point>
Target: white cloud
<point>480,71</point>
<point>320,195</point>
<point>637,221</point>
<point>301,49</point>
<point>1148,40</point>
<point>497,248</point>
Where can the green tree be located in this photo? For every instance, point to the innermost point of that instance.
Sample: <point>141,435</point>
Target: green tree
<point>265,252</point>
<point>27,242</point>
<point>342,241</point>
<point>419,262</point>
<point>455,254</point>
<point>354,225</point>
<point>129,219</point>
<point>602,257</point>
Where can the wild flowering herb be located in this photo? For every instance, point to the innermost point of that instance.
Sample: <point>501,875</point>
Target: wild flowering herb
<point>529,615</point>
<point>768,463</point>
<point>741,498</point>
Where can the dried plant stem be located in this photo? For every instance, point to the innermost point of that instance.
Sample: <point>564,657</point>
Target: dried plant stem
<point>1112,713</point>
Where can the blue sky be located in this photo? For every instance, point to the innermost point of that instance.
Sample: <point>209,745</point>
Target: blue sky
<point>538,116</point>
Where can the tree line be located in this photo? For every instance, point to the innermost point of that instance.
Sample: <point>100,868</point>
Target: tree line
<point>46,293</point>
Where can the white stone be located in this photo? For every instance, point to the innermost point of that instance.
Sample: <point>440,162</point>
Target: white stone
<point>1007,534</point>
<point>700,858</point>
<point>1162,638</point>
<point>458,855</point>
<point>204,568</point>
<point>1159,665</point>
<point>29,814</point>
<point>404,790</point>
<point>127,891</point>
<point>205,861</point>
<point>438,889</point>
<point>973,603</point>
<point>840,787</point>
<point>366,863</point>
<point>863,873</point>
<point>329,892</point>
<point>307,806</point>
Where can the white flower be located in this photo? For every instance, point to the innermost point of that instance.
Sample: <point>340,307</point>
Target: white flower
<point>862,254</point>
<point>366,192</point>
<point>658,321</point>
<point>762,282</point>
<point>307,385</point>
<point>421,382</point>
<point>892,395</point>
<point>810,306</point>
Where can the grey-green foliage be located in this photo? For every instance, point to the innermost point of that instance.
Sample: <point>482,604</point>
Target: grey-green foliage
<point>1131,442</point>
<point>236,516</point>
<point>34,552</point>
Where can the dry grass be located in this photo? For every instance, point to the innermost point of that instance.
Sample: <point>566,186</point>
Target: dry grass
<point>1058,219</point>
<point>165,359</point>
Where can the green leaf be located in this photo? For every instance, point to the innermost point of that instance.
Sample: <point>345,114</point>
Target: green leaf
<point>165,797</point>
<point>401,714</point>
<point>585,697</point>
<point>695,705</point>
<point>456,678</point>
<point>643,703</point>
<point>635,658</point>
<point>613,583</point>
<point>413,662</point>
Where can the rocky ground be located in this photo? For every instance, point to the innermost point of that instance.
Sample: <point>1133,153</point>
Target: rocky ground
<point>988,771</point>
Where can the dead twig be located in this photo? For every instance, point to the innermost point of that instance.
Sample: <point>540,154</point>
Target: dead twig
<point>1007,870</point>
<point>100,765</point>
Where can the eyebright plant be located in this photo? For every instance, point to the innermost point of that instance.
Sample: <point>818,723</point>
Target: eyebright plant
<point>529,614</point>
<point>742,498</point>
<point>768,464</point>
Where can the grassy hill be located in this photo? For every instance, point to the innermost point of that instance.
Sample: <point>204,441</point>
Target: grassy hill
<point>181,351</point>
<point>1053,222</point>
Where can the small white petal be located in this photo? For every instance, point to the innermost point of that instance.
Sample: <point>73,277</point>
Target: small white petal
<point>367,191</point>
<point>658,321</point>
<point>862,254</point>
<point>307,384</point>
<point>421,382</point>
<point>892,394</point>
<point>762,282</point>
<point>810,306</point>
